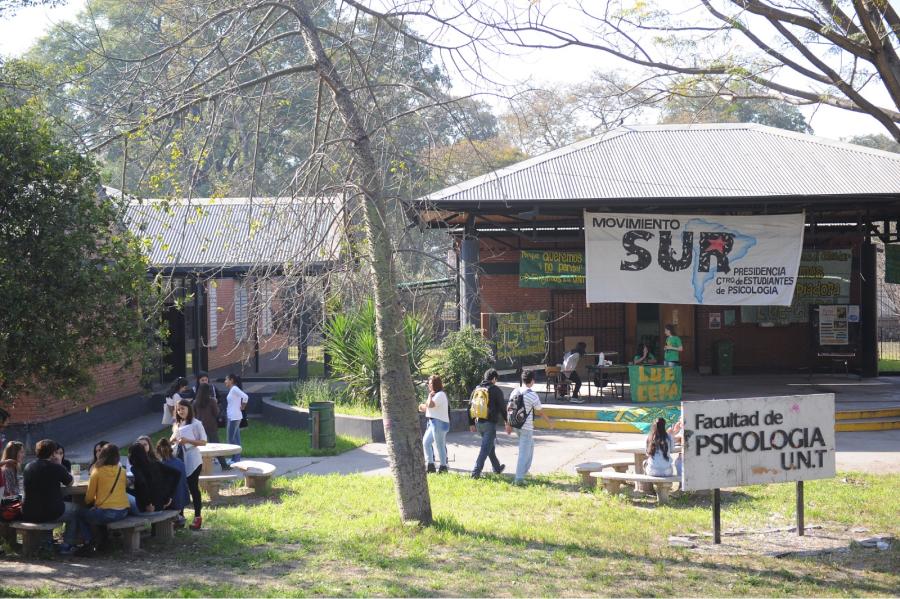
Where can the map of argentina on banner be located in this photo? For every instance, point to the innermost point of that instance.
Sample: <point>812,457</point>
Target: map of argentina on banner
<point>692,259</point>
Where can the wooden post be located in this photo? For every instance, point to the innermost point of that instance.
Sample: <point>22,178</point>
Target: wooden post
<point>717,518</point>
<point>800,526</point>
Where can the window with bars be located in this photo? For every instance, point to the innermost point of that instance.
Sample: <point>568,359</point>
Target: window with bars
<point>240,312</point>
<point>212,301</point>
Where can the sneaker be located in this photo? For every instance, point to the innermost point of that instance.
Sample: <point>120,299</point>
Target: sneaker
<point>180,521</point>
<point>197,523</point>
<point>430,469</point>
<point>65,549</point>
<point>577,400</point>
<point>500,469</point>
<point>443,470</point>
<point>476,475</point>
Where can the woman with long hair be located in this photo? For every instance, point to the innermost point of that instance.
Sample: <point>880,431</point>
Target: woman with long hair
<point>237,401</point>
<point>147,443</point>
<point>182,495</point>
<point>188,433</point>
<point>207,411</point>
<point>437,413</point>
<point>659,447</point>
<point>178,390</point>
<point>13,458</point>
<point>105,494</point>
<point>96,453</point>
<point>154,483</point>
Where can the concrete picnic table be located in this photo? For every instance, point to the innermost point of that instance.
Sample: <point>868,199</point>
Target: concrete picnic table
<point>213,450</point>
<point>639,450</point>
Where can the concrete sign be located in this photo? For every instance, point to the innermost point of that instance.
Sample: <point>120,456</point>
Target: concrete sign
<point>759,440</point>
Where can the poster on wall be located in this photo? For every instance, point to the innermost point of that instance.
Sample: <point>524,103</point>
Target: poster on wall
<point>715,320</point>
<point>556,270</point>
<point>692,259</point>
<point>519,336</point>
<point>833,329</point>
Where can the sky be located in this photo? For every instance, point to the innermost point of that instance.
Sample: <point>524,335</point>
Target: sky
<point>544,67</point>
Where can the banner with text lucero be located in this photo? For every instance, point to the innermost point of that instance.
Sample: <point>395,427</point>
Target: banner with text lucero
<point>691,259</point>
<point>749,441</point>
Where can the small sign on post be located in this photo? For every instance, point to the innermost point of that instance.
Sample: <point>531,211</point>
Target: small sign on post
<point>758,440</point>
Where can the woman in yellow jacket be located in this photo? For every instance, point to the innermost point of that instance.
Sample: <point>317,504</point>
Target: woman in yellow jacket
<point>105,493</point>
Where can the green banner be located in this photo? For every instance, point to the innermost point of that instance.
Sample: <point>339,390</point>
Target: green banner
<point>521,334</point>
<point>892,263</point>
<point>559,270</point>
<point>655,383</point>
<point>641,418</point>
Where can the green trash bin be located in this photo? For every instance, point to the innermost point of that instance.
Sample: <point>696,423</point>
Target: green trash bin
<point>723,357</point>
<point>321,424</point>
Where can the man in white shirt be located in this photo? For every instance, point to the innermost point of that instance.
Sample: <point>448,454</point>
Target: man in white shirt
<point>526,433</point>
<point>569,366</point>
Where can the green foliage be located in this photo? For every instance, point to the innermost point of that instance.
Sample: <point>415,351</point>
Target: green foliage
<point>877,141</point>
<point>304,393</point>
<point>466,355</point>
<point>350,341</point>
<point>73,281</point>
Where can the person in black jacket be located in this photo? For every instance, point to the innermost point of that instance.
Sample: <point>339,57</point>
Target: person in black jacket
<point>44,479</point>
<point>154,483</point>
<point>488,428</point>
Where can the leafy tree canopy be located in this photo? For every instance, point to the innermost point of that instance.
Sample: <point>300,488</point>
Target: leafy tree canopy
<point>877,141</point>
<point>73,282</point>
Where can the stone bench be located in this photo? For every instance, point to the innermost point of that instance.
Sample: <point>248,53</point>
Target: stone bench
<point>612,482</point>
<point>258,475</point>
<point>35,535</point>
<point>162,524</point>
<point>586,468</point>
<point>212,482</point>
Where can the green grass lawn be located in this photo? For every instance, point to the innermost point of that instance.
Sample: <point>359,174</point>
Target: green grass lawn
<point>341,536</point>
<point>885,365</point>
<point>261,440</point>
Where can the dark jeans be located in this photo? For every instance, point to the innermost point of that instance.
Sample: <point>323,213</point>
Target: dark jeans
<point>576,380</point>
<point>488,431</point>
<point>193,482</point>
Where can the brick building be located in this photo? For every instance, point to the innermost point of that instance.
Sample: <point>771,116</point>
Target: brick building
<point>850,195</point>
<point>228,266</point>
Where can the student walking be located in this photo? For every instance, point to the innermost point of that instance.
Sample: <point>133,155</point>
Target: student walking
<point>437,412</point>
<point>485,420</point>
<point>531,403</point>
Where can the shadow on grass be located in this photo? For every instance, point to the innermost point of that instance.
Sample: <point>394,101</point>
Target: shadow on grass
<point>449,524</point>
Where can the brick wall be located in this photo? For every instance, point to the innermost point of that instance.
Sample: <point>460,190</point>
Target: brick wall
<point>112,384</point>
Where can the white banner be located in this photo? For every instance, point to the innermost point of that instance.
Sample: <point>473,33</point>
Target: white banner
<point>757,440</point>
<point>692,259</point>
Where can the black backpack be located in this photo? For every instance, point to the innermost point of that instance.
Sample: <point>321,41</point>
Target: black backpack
<point>516,414</point>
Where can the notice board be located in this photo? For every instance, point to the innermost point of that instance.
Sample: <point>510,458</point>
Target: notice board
<point>520,337</point>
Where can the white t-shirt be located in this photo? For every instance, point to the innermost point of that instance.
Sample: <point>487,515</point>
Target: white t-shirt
<point>657,464</point>
<point>192,457</point>
<point>441,409</point>
<point>173,401</point>
<point>532,402</point>
<point>235,398</point>
<point>570,361</point>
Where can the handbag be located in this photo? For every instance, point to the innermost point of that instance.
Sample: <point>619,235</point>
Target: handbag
<point>167,417</point>
<point>244,423</point>
<point>11,508</point>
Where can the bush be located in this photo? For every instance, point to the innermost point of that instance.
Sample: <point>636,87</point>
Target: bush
<point>351,343</point>
<point>467,354</point>
<point>306,392</point>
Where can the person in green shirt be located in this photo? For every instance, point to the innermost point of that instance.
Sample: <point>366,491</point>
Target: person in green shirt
<point>673,349</point>
<point>643,355</point>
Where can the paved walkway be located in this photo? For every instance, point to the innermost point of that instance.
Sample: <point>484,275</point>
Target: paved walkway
<point>555,451</point>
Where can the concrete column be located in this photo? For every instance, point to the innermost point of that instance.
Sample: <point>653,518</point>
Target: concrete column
<point>868,311</point>
<point>470,306</point>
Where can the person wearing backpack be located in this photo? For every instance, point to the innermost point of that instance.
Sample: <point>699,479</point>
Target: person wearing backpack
<point>521,408</point>
<point>487,409</point>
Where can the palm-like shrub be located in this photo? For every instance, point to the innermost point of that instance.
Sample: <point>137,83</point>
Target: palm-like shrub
<point>466,355</point>
<point>350,342</point>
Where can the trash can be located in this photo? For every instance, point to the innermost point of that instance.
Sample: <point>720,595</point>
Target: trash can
<point>723,357</point>
<point>321,424</point>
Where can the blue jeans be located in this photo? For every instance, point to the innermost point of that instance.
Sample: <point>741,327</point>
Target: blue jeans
<point>488,431</point>
<point>234,437</point>
<point>94,517</point>
<point>526,452</point>
<point>70,517</point>
<point>436,433</point>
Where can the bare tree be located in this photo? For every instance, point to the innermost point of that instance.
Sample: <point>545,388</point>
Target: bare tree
<point>840,53</point>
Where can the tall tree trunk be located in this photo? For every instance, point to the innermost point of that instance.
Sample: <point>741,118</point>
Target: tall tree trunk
<point>398,398</point>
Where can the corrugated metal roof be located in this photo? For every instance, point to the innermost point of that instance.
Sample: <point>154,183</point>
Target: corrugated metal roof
<point>236,233</point>
<point>686,161</point>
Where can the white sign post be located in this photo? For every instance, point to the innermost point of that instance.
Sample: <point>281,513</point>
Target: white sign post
<point>758,440</point>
